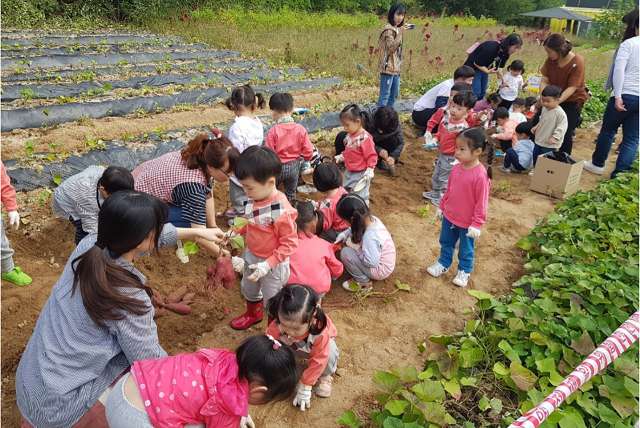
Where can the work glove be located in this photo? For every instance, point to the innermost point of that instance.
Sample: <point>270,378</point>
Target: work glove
<point>428,137</point>
<point>473,232</point>
<point>14,219</point>
<point>238,264</point>
<point>439,214</point>
<point>482,118</point>
<point>338,158</point>
<point>247,422</point>
<point>259,270</point>
<point>368,174</point>
<point>353,245</point>
<point>342,237</point>
<point>303,397</point>
<point>314,203</point>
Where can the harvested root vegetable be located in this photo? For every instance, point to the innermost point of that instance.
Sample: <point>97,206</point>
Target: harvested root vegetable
<point>225,274</point>
<point>158,312</point>
<point>157,299</point>
<point>177,295</point>
<point>179,308</point>
<point>188,298</point>
<point>210,272</point>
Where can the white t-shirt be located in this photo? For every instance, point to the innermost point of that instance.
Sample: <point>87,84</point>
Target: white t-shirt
<point>626,74</point>
<point>245,132</point>
<point>519,117</point>
<point>514,84</point>
<point>428,100</point>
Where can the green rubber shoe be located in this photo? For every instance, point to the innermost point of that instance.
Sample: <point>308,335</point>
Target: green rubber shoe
<point>17,277</point>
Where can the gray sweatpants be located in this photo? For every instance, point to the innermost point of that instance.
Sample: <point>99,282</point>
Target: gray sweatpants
<point>267,286</point>
<point>358,270</point>
<point>351,179</point>
<point>332,364</point>
<point>237,197</point>
<point>6,252</point>
<point>441,173</point>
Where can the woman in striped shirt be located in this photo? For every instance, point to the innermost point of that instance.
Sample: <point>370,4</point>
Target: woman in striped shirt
<point>98,318</point>
<point>185,180</point>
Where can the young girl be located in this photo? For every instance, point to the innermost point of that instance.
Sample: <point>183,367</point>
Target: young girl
<point>301,324</point>
<point>328,180</point>
<point>213,387</point>
<point>246,131</point>
<point>314,262</point>
<point>506,132</point>
<point>370,252</point>
<point>463,208</point>
<point>518,109</point>
<point>359,155</point>
<point>511,83</point>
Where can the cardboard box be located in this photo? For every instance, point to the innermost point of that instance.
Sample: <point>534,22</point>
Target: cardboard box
<point>555,178</point>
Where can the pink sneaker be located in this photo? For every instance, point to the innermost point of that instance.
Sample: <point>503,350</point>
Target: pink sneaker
<point>323,387</point>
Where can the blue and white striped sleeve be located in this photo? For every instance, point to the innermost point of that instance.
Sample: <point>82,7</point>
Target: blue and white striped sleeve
<point>192,198</point>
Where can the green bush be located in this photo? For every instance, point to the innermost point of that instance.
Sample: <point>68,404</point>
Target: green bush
<point>582,284</point>
<point>593,109</point>
<point>608,25</point>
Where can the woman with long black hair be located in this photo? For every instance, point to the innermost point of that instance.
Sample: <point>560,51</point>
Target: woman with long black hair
<point>390,55</point>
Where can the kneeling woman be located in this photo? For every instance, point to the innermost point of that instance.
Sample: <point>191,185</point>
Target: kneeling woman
<point>98,318</point>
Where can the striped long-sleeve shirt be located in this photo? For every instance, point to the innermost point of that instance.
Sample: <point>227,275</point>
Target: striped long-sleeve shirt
<point>70,361</point>
<point>78,197</point>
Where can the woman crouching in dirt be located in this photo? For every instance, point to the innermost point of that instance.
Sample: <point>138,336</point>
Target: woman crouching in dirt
<point>98,318</point>
<point>185,179</point>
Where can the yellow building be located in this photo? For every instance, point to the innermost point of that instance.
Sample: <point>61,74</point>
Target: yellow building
<point>556,25</point>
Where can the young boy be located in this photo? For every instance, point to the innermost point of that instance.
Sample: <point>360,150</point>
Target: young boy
<point>550,130</point>
<point>517,110</point>
<point>520,157</point>
<point>448,130</point>
<point>443,112</point>
<point>506,132</point>
<point>270,234</point>
<point>289,140</point>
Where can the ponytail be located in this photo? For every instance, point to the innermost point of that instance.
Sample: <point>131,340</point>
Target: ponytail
<point>299,303</point>
<point>306,214</point>
<point>202,152</point>
<point>352,208</point>
<point>490,154</point>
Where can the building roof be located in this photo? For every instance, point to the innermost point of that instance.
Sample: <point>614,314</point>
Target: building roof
<point>558,13</point>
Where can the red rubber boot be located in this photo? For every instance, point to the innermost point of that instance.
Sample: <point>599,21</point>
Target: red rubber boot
<point>249,318</point>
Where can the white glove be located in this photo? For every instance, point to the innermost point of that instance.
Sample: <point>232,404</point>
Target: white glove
<point>14,219</point>
<point>342,237</point>
<point>338,158</point>
<point>439,214</point>
<point>247,422</point>
<point>368,174</point>
<point>229,233</point>
<point>482,118</point>
<point>238,264</point>
<point>259,270</point>
<point>428,137</point>
<point>303,397</point>
<point>353,245</point>
<point>314,203</point>
<point>473,233</point>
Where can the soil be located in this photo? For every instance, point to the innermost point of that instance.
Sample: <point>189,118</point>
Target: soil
<point>373,334</point>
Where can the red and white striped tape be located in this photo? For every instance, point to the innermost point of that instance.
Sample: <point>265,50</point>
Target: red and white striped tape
<point>616,344</point>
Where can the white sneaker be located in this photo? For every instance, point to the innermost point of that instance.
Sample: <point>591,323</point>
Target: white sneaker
<point>461,279</point>
<point>531,172</point>
<point>437,269</point>
<point>592,168</point>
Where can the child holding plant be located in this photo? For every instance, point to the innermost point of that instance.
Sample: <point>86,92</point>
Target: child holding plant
<point>245,132</point>
<point>270,232</point>
<point>213,387</point>
<point>463,208</point>
<point>314,263</point>
<point>289,140</point>
<point>301,324</point>
<point>506,132</point>
<point>370,252</point>
<point>328,180</point>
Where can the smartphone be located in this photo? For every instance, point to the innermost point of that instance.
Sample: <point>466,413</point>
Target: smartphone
<point>411,26</point>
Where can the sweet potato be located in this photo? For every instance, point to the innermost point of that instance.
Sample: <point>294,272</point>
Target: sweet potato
<point>177,295</point>
<point>179,308</point>
<point>157,299</point>
<point>159,312</point>
<point>188,298</point>
<point>210,272</point>
<point>225,274</point>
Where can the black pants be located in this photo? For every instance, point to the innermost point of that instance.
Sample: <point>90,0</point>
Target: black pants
<point>506,104</point>
<point>80,233</point>
<point>421,118</point>
<point>505,145</point>
<point>339,142</point>
<point>572,110</point>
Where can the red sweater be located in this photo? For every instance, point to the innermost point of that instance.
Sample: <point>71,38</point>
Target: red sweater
<point>314,263</point>
<point>290,141</point>
<point>7,192</point>
<point>331,217</point>
<point>447,133</point>
<point>466,199</point>
<point>359,152</point>
<point>440,114</point>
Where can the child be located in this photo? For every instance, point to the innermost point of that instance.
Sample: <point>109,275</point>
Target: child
<point>511,83</point>
<point>530,107</point>
<point>550,130</point>
<point>370,252</point>
<point>359,155</point>
<point>328,180</point>
<point>446,137</point>
<point>520,157</point>
<point>463,208</point>
<point>506,129</point>
<point>443,112</point>
<point>301,324</point>
<point>80,196</point>
<point>213,387</point>
<point>271,232</point>
<point>245,132</point>
<point>10,272</point>
<point>314,262</point>
<point>289,140</point>
<point>489,105</point>
<point>517,110</point>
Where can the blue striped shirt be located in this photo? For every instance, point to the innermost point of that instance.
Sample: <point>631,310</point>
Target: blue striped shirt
<point>70,361</point>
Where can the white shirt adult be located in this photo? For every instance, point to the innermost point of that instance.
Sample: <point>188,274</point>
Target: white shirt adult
<point>430,98</point>
<point>626,74</point>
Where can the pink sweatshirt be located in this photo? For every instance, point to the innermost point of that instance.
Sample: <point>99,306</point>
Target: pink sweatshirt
<point>443,112</point>
<point>200,388</point>
<point>508,132</point>
<point>7,192</point>
<point>290,141</point>
<point>466,199</point>
<point>314,263</point>
<point>331,217</point>
<point>359,152</point>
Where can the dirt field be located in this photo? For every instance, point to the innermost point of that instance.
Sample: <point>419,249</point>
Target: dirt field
<point>372,334</point>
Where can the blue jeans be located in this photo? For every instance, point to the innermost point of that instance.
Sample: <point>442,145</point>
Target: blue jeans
<point>175,216</point>
<point>480,83</point>
<point>449,236</point>
<point>511,159</point>
<point>610,123</point>
<point>539,150</point>
<point>389,89</point>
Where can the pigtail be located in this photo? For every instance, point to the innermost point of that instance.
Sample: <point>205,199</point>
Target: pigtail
<point>262,102</point>
<point>490,154</point>
<point>320,224</point>
<point>357,227</point>
<point>321,322</point>
<point>275,303</point>
<point>229,103</point>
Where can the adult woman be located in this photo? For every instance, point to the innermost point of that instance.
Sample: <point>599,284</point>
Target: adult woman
<point>565,69</point>
<point>390,55</point>
<point>490,57</point>
<point>185,179</point>
<point>622,108</point>
<point>98,318</point>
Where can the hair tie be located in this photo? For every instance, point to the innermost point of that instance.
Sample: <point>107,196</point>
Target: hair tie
<point>216,133</point>
<point>292,297</point>
<point>99,245</point>
<point>276,344</point>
